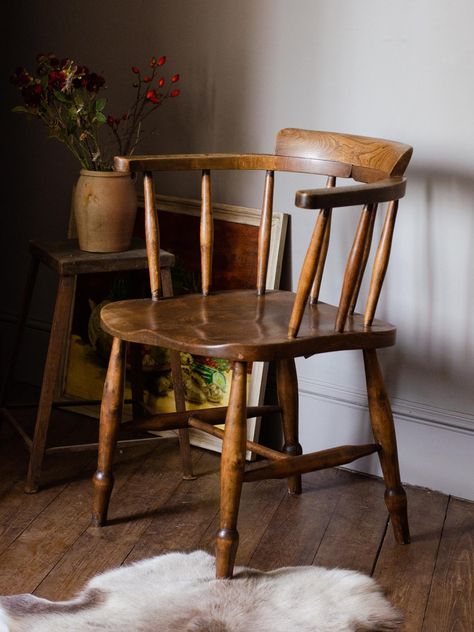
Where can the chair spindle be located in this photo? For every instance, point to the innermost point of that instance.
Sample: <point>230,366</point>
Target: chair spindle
<point>265,232</point>
<point>318,277</point>
<point>207,232</point>
<point>353,266</point>
<point>382,257</point>
<point>365,257</point>
<point>308,271</point>
<point>152,232</point>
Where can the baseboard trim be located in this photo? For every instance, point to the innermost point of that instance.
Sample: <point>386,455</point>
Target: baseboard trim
<point>415,412</point>
<point>34,324</point>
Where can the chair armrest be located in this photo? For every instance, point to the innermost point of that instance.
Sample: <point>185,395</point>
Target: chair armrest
<point>189,162</point>
<point>381,191</point>
<point>266,162</point>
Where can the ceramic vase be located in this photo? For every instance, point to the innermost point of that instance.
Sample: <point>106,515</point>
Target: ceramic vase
<point>105,206</point>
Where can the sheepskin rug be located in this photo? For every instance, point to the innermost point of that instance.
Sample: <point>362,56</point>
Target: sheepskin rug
<point>177,592</point>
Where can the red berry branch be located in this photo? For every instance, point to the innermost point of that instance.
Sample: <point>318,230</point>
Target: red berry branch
<point>65,98</point>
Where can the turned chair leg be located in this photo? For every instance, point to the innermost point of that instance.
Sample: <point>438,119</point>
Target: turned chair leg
<point>178,389</point>
<point>287,388</point>
<point>110,418</point>
<point>232,472</point>
<point>384,434</point>
<point>136,379</point>
<point>180,403</point>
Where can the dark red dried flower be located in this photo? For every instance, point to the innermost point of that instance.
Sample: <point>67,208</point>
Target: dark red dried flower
<point>136,70</point>
<point>174,78</point>
<point>161,60</point>
<point>175,92</point>
<point>94,82</point>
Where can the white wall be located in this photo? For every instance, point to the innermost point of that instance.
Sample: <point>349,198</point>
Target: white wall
<point>397,70</point>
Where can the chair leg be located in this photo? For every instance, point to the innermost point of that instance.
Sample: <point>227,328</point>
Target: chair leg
<point>136,378</point>
<point>287,387</point>
<point>232,471</point>
<point>62,311</point>
<point>180,403</point>
<point>178,388</point>
<point>110,417</point>
<point>384,434</point>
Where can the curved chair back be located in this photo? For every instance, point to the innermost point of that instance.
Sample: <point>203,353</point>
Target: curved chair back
<point>378,164</point>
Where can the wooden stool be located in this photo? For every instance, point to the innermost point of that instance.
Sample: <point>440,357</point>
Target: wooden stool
<point>68,261</point>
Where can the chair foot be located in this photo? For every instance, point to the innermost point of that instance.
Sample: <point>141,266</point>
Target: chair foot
<point>294,482</point>
<point>232,472</point>
<point>226,549</point>
<point>396,501</point>
<point>102,486</point>
<point>31,488</point>
<point>187,477</point>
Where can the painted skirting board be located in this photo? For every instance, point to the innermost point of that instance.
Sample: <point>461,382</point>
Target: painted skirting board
<point>436,446</point>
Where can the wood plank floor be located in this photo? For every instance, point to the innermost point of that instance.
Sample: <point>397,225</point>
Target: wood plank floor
<point>48,548</point>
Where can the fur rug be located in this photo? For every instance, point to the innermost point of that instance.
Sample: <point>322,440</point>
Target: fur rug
<point>178,593</point>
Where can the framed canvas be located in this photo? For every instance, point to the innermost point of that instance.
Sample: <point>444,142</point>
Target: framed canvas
<point>206,380</point>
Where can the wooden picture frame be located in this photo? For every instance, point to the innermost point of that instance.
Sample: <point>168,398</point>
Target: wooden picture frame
<point>179,229</point>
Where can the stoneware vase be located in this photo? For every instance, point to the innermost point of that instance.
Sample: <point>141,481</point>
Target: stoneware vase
<point>105,206</point>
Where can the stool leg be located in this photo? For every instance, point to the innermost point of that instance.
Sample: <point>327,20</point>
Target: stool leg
<point>287,388</point>
<point>25,306</point>
<point>110,417</point>
<point>232,472</point>
<point>59,327</point>
<point>178,389</point>
<point>384,434</point>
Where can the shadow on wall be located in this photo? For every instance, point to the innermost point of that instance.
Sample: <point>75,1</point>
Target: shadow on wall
<point>430,289</point>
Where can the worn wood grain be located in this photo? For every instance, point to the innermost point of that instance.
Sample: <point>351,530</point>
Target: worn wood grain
<point>338,521</point>
<point>29,559</point>
<point>406,572</point>
<point>357,525</point>
<point>297,527</point>
<point>184,516</point>
<point>149,479</point>
<point>451,602</point>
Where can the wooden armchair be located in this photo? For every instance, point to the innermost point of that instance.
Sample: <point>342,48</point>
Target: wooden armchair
<point>244,326</point>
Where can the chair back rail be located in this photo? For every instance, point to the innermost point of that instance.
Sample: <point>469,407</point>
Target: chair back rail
<point>379,164</point>
<point>354,266</point>
<point>380,262</point>
<point>152,235</point>
<point>206,232</point>
<point>264,232</point>
<point>318,277</point>
<point>365,256</point>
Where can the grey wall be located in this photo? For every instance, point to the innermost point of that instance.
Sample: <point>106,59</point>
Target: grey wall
<point>397,70</point>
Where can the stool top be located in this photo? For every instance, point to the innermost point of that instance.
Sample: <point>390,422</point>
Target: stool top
<point>67,259</point>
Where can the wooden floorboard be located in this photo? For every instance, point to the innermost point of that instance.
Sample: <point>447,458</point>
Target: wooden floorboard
<point>451,600</point>
<point>340,520</point>
<point>406,571</point>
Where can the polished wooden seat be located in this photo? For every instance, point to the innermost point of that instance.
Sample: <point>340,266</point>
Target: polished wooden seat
<point>245,326</point>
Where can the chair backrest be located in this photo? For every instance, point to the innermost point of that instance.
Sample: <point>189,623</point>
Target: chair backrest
<point>377,163</point>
